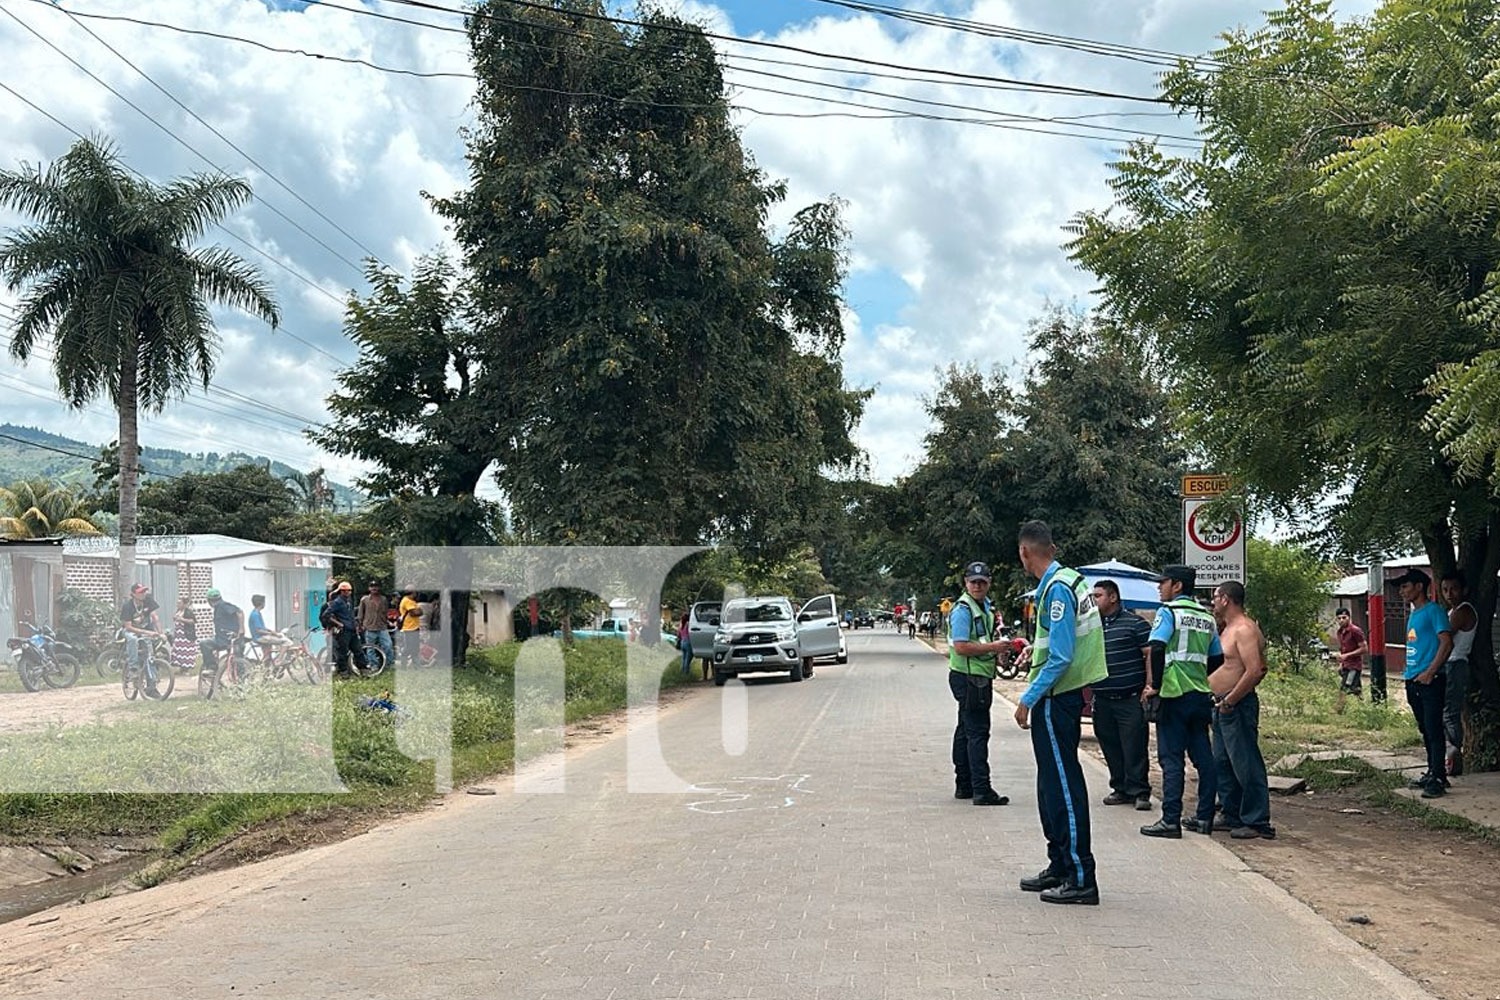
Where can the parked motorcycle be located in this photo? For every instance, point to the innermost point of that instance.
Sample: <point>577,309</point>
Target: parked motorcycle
<point>42,659</point>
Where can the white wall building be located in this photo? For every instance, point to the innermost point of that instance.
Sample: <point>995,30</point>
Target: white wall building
<point>292,579</point>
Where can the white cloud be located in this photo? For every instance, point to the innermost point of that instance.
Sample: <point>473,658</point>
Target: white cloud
<point>969,218</point>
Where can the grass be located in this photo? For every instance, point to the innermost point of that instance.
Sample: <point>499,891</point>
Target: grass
<point>284,733</point>
<point>1378,789</point>
<point>1297,713</point>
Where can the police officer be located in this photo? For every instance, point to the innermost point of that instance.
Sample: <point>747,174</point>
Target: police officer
<point>1068,655</point>
<point>972,647</point>
<point>1185,649</point>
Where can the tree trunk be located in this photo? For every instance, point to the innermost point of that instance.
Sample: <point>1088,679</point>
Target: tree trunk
<point>1482,748</point>
<point>130,467</point>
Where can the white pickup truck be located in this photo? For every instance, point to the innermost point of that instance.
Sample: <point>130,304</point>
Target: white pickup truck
<point>762,635</point>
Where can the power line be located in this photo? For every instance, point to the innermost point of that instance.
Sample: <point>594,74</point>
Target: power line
<point>755,42</point>
<point>1155,57</point>
<point>139,468</point>
<point>990,117</point>
<point>177,138</point>
<point>228,232</point>
<point>227,141</point>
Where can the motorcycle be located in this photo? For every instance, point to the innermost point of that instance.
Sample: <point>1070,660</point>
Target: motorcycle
<point>42,659</point>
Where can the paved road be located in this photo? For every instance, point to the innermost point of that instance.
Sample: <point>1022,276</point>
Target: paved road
<point>828,860</point>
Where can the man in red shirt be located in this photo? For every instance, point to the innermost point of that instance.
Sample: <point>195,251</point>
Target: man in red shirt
<point>1352,650</point>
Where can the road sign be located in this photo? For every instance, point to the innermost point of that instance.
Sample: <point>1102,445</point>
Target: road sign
<point>1204,486</point>
<point>1215,547</point>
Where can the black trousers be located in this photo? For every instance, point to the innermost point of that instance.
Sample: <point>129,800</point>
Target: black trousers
<point>971,737</point>
<point>346,644</point>
<point>1426,701</point>
<point>1120,726</point>
<point>1061,795</point>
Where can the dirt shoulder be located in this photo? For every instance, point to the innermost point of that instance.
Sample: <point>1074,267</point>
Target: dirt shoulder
<point>1421,893</point>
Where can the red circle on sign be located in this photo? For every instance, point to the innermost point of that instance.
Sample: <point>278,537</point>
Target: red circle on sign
<point>1192,527</point>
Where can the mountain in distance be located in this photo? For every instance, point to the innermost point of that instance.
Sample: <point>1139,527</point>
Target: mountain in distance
<point>51,456</point>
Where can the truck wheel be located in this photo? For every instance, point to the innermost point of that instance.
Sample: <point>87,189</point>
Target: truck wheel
<point>807,666</point>
<point>720,678</point>
<point>796,671</point>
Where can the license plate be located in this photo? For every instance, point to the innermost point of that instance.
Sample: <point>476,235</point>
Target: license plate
<point>754,657</point>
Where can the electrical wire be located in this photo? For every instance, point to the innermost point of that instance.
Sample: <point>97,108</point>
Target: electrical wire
<point>228,232</point>
<point>177,138</point>
<point>990,116</point>
<point>224,138</point>
<point>1154,57</point>
<point>485,15</point>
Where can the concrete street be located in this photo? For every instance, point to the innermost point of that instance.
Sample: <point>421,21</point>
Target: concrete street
<point>828,861</point>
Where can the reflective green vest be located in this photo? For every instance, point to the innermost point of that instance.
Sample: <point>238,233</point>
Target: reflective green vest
<point>1187,650</point>
<point>981,629</point>
<point>1088,636</point>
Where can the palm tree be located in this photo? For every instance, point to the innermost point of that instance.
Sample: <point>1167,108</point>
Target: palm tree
<point>310,490</point>
<point>111,276</point>
<point>35,508</point>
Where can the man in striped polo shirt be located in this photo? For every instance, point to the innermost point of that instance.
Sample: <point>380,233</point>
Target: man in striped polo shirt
<point>1119,717</point>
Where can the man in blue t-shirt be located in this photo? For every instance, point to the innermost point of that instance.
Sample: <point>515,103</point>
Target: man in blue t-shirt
<point>1429,640</point>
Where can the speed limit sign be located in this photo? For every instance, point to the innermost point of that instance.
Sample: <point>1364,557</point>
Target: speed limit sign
<point>1212,545</point>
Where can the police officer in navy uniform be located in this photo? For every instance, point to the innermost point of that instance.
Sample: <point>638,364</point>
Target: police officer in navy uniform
<point>972,649</point>
<point>1067,656</point>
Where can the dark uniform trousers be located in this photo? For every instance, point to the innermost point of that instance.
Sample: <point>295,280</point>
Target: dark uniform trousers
<point>971,737</point>
<point>1182,730</point>
<point>1061,796</point>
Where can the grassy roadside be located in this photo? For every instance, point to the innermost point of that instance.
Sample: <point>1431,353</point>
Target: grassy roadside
<point>1297,713</point>
<point>1355,778</point>
<point>380,779</point>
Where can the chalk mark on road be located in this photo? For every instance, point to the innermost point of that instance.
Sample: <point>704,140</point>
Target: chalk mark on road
<point>751,794</point>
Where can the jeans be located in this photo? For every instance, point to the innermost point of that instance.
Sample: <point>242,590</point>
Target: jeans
<point>1243,790</point>
<point>1062,798</point>
<point>1183,729</point>
<point>138,650</point>
<point>687,656</point>
<point>1426,701</point>
<point>381,639</point>
<point>1456,690</point>
<point>1120,726</point>
<point>971,737</point>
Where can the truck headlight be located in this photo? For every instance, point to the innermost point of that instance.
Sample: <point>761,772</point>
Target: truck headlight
<point>721,638</point>
<point>785,634</point>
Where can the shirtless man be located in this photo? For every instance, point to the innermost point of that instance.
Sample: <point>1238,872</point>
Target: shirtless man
<point>1456,689</point>
<point>1244,793</point>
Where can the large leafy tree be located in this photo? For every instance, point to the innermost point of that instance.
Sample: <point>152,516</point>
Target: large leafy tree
<point>108,272</point>
<point>425,406</point>
<point>1322,268</point>
<point>245,503</point>
<point>37,508</point>
<point>1084,443</point>
<point>677,374</point>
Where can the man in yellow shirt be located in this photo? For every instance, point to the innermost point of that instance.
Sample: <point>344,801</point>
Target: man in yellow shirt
<point>409,621</point>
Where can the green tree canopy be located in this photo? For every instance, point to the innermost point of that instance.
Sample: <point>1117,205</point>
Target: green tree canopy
<point>1085,443</point>
<point>677,373</point>
<point>1322,268</point>
<point>109,273</point>
<point>244,503</point>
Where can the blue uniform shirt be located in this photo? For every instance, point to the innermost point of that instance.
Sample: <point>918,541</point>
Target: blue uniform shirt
<point>1057,601</point>
<point>961,623</point>
<point>257,622</point>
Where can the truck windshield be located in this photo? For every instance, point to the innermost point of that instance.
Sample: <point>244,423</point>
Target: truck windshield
<point>757,613</point>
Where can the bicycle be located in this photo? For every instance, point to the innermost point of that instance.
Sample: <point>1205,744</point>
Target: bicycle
<point>225,668</point>
<point>155,681</point>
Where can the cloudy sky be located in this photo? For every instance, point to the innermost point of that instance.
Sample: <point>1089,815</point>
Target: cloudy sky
<point>955,225</point>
